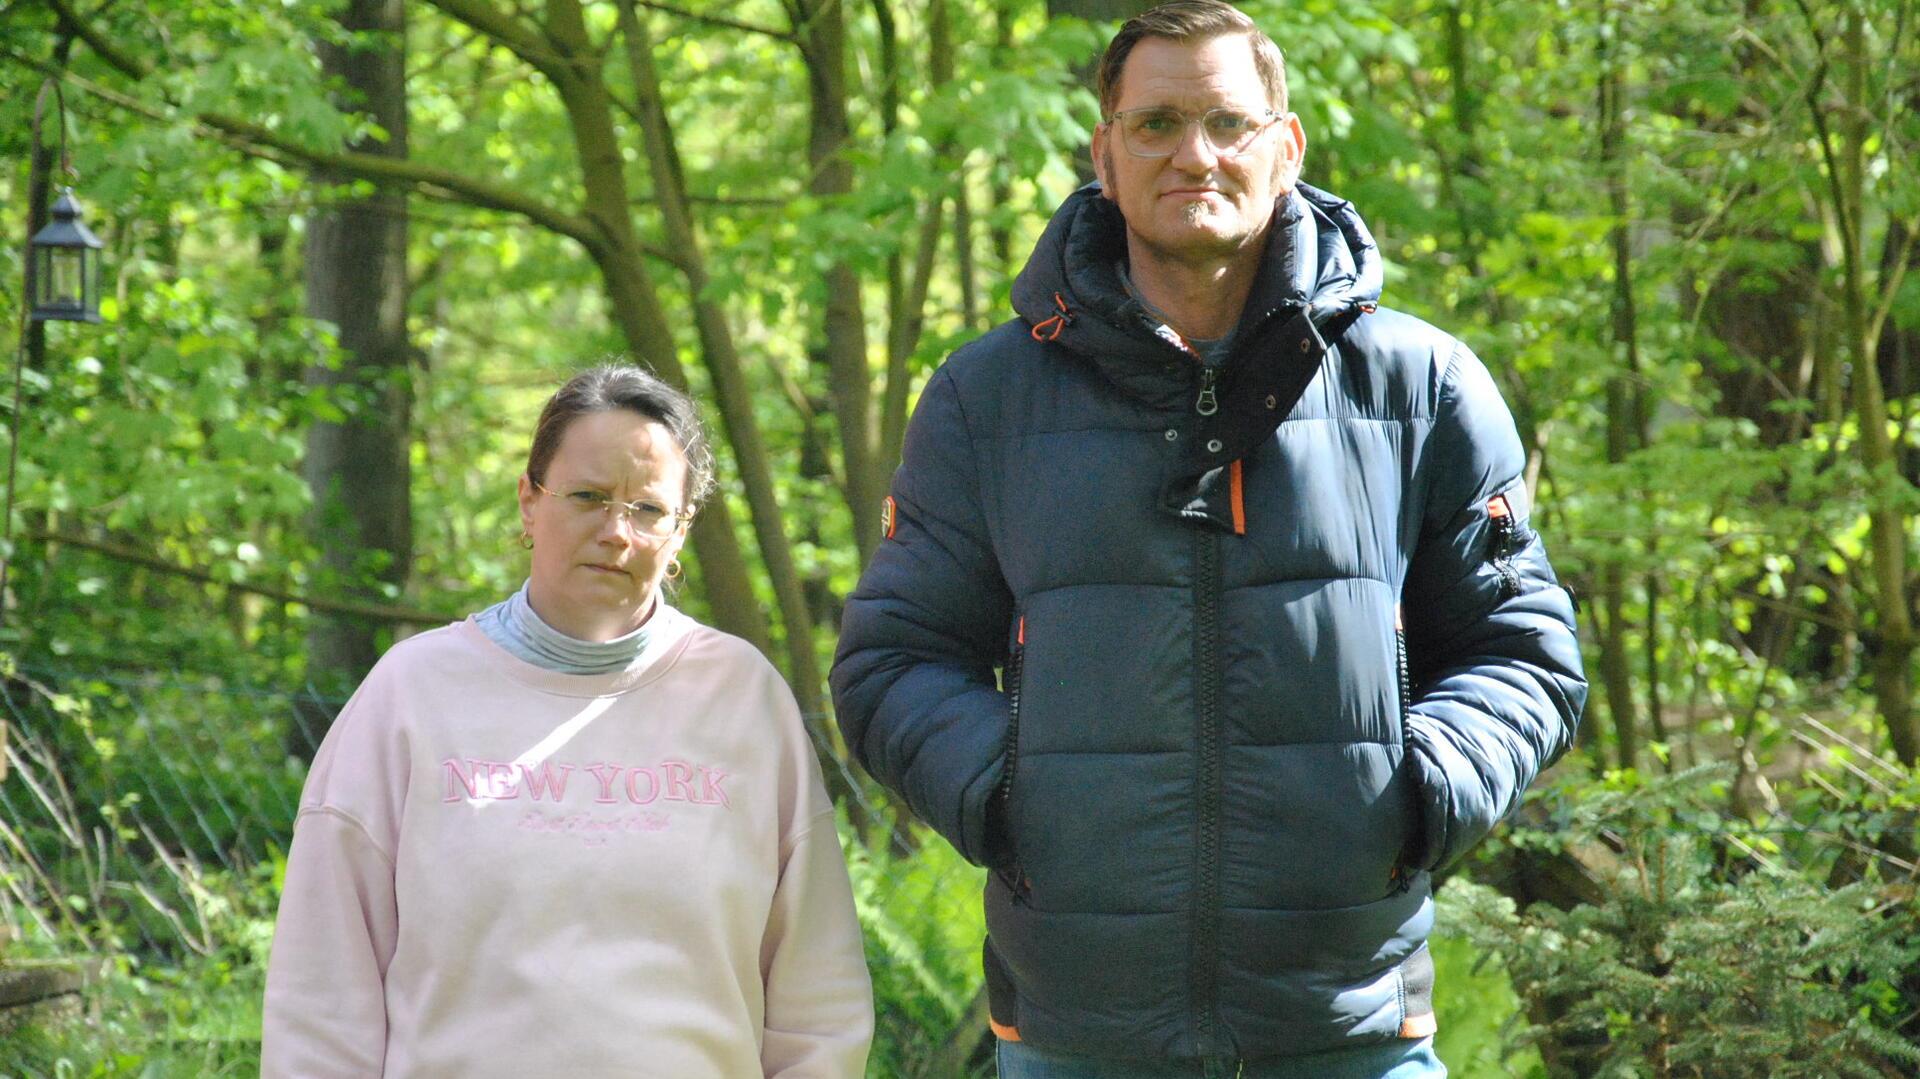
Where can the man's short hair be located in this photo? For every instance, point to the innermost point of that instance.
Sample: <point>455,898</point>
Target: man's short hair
<point>1191,20</point>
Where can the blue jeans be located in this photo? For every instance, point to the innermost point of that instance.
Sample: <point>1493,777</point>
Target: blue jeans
<point>1401,1058</point>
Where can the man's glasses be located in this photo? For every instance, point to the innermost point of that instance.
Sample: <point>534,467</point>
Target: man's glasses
<point>1158,131</point>
<point>648,519</point>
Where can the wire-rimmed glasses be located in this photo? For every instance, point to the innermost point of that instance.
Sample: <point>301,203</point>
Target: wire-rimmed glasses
<point>1158,131</point>
<point>646,517</point>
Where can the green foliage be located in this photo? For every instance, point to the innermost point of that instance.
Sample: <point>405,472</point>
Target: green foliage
<point>1476,1008</point>
<point>151,866</point>
<point>198,1017</point>
<point>1708,955</point>
<point>1468,134</point>
<point>923,922</point>
<point>147,818</point>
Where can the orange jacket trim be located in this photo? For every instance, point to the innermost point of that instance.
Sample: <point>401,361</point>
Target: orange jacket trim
<point>1237,482</point>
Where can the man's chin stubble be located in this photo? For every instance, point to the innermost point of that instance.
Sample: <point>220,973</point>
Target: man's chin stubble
<point>1194,213</point>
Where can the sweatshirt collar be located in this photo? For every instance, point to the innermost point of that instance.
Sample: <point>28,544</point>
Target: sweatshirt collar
<point>514,625</point>
<point>667,634</point>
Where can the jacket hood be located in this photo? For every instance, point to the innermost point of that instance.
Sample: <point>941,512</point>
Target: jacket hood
<point>1319,255</point>
<point>1321,271</point>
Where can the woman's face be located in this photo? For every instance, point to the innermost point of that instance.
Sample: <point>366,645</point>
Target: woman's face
<point>597,564</point>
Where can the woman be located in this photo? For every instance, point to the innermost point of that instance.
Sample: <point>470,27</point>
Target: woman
<point>577,834</point>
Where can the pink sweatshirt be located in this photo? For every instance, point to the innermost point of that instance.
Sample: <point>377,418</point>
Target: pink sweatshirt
<point>500,870</point>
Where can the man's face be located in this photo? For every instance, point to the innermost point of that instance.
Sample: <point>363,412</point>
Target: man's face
<point>1196,206</point>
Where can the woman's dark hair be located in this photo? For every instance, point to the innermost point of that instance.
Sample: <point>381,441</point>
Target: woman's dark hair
<point>617,386</point>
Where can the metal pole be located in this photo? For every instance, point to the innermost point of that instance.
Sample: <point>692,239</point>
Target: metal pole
<point>33,335</point>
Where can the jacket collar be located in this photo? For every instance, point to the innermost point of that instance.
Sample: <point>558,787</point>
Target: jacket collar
<point>1321,271</point>
<point>1319,256</point>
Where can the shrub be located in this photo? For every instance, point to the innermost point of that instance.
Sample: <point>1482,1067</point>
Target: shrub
<point>1706,955</point>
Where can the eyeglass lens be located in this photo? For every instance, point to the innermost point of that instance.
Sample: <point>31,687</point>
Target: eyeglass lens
<point>645,518</point>
<point>1159,132</point>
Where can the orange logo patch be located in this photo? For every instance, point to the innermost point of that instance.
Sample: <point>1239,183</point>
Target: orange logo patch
<point>888,518</point>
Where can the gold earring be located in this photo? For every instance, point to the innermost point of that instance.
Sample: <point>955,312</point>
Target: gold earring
<point>526,540</point>
<point>673,570</point>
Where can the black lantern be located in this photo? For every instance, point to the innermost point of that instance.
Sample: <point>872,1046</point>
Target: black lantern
<point>66,267</point>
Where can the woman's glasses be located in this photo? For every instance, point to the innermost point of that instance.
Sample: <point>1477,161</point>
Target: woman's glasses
<point>647,518</point>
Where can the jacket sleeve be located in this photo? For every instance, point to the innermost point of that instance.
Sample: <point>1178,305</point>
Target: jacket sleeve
<point>325,1013</point>
<point>819,1020</point>
<point>913,681</point>
<point>1497,686</point>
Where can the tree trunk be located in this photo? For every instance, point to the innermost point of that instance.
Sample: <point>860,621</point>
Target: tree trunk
<point>356,279</point>
<point>632,300</point>
<point>971,315</point>
<point>941,52</point>
<point>1656,709</point>
<point>1898,350</point>
<point>821,31</point>
<point>1092,11</point>
<point>1893,664</point>
<point>903,336</point>
<point>40,169</point>
<point>724,364</point>
<point>1466,168</point>
<point>33,335</point>
<point>890,79</point>
<point>999,183</point>
<point>1622,391</point>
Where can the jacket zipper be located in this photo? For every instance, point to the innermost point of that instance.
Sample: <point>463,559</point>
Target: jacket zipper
<point>1207,734</point>
<point>1399,875</point>
<point>1204,960</point>
<point>1012,877</point>
<point>1400,667</point>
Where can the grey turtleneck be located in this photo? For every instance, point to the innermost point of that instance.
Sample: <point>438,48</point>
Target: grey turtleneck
<point>1212,350</point>
<point>513,625</point>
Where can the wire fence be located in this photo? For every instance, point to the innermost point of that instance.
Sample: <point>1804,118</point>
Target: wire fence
<point>144,814</point>
<point>129,795</point>
<point>134,798</point>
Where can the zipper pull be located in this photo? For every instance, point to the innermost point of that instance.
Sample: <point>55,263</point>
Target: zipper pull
<point>1208,404</point>
<point>1503,545</point>
<point>1500,516</point>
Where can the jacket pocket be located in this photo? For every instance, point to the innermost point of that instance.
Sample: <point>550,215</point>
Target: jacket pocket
<point>1409,861</point>
<point>1010,872</point>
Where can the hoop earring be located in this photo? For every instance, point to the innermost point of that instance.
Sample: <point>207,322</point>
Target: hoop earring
<point>526,540</point>
<point>673,570</point>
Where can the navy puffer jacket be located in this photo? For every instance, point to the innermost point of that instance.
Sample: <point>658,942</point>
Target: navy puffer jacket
<point>1136,644</point>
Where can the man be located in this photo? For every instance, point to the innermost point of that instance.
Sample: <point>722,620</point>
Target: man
<point>1186,504</point>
